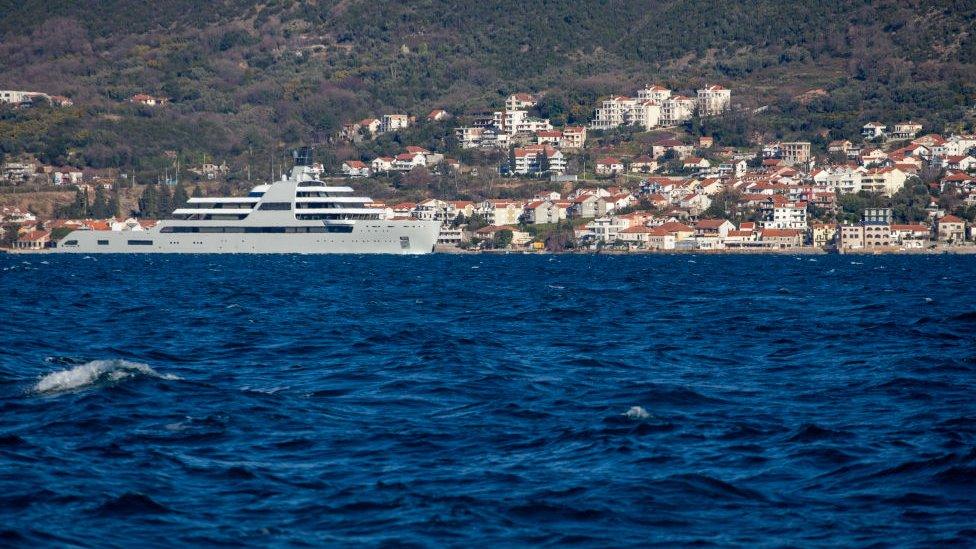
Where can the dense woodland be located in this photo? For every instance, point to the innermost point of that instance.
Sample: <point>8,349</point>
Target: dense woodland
<point>249,80</point>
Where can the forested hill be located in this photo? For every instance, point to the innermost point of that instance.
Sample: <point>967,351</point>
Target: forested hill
<point>246,75</point>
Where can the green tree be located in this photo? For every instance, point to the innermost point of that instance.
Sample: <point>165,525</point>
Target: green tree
<point>562,238</point>
<point>149,202</point>
<point>8,234</point>
<point>458,220</point>
<point>477,221</point>
<point>115,206</point>
<point>165,202</point>
<point>100,207</point>
<point>179,196</point>
<point>502,239</point>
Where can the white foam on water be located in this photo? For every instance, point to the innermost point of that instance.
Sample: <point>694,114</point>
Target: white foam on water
<point>637,412</point>
<point>93,372</point>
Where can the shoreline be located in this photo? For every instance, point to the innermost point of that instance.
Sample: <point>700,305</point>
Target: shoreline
<point>959,250</point>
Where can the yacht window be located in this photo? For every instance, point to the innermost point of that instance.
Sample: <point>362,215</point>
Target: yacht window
<point>276,206</point>
<point>103,242</point>
<point>140,243</point>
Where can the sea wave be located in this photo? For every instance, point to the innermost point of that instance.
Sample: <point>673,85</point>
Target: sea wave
<point>93,373</point>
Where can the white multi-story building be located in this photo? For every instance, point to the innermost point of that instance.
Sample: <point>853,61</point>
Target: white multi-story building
<point>574,137</point>
<point>500,212</point>
<point>537,160</point>
<point>394,122</point>
<point>654,93</point>
<point>795,152</point>
<point>676,109</point>
<point>714,100</point>
<point>480,137</point>
<point>842,180</point>
<point>627,111</point>
<point>779,213</point>
<point>612,112</point>
<point>519,101</point>
<point>646,114</point>
<point>886,181</point>
<point>517,121</point>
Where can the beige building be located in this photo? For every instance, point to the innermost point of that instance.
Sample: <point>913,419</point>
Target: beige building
<point>822,234</point>
<point>796,152</point>
<point>864,236</point>
<point>951,229</point>
<point>574,137</point>
<point>886,181</point>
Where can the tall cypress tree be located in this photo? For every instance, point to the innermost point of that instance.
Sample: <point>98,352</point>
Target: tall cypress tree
<point>100,208</point>
<point>165,206</point>
<point>149,202</point>
<point>179,196</point>
<point>81,208</point>
<point>115,207</point>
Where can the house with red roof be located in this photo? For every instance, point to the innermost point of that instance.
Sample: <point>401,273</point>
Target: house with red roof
<point>33,240</point>
<point>961,162</point>
<point>609,166</point>
<point>148,100</point>
<point>382,164</point>
<point>437,115</point>
<point>713,227</point>
<point>781,238</point>
<point>951,229</point>
<point>355,168</point>
<point>643,164</point>
<point>574,137</point>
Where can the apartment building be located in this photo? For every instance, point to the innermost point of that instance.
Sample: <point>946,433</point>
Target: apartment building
<point>394,122</point>
<point>676,110</point>
<point>778,213</point>
<point>714,100</point>
<point>574,137</point>
<point>520,101</point>
<point>796,152</point>
<point>537,160</point>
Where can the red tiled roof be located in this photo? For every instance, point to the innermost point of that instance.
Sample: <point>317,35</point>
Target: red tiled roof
<point>34,236</point>
<point>675,227</point>
<point>781,232</point>
<point>710,223</point>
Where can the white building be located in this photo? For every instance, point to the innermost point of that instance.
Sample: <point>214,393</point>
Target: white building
<point>873,130</point>
<point>779,213</point>
<point>714,100</point>
<point>537,160</point>
<point>355,168</point>
<point>394,122</point>
<point>520,101</point>
<point>676,110</point>
<point>20,97</point>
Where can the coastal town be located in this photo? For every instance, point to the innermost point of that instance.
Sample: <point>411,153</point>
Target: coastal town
<point>634,179</point>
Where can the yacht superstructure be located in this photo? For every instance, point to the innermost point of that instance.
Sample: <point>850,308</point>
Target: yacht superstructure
<point>298,214</point>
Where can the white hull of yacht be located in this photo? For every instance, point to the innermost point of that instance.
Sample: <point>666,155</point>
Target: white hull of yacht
<point>367,237</point>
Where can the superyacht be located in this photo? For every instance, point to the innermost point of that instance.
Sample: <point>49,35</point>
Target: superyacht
<point>297,214</point>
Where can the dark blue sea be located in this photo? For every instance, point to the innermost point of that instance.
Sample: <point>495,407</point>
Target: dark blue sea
<point>487,400</point>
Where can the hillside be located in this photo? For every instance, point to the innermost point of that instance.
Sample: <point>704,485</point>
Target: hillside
<point>246,80</point>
